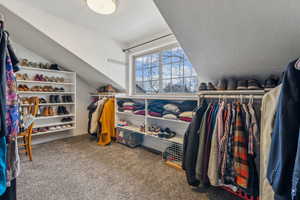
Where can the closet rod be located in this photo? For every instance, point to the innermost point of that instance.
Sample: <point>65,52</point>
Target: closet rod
<point>150,41</point>
<point>232,96</point>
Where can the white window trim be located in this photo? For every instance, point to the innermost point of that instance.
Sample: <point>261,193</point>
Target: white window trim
<point>132,56</point>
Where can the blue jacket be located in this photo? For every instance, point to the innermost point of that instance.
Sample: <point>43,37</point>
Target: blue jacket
<point>283,170</point>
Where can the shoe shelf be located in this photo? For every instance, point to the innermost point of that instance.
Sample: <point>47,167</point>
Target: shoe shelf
<point>178,140</point>
<point>44,82</point>
<point>129,114</point>
<point>46,70</point>
<point>50,104</point>
<point>33,92</point>
<point>53,124</point>
<point>45,121</point>
<point>170,120</point>
<point>53,131</point>
<point>226,92</point>
<point>55,116</point>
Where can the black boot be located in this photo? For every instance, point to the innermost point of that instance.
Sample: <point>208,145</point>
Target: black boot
<point>57,99</point>
<point>52,99</point>
<point>69,99</point>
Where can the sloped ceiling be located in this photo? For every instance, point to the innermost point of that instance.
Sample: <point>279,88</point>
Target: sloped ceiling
<point>235,38</point>
<point>133,21</point>
<point>29,37</point>
<point>70,34</point>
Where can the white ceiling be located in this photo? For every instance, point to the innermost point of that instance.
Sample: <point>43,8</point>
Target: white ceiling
<point>235,37</point>
<point>134,20</point>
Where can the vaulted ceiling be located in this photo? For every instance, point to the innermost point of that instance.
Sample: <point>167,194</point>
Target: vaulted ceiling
<point>235,38</point>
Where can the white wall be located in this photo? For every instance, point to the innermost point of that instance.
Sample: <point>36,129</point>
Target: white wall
<point>82,89</point>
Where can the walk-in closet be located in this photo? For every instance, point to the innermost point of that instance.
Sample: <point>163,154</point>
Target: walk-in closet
<point>149,100</point>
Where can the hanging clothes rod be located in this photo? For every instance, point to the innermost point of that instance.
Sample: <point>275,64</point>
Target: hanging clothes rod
<point>232,96</point>
<point>150,41</point>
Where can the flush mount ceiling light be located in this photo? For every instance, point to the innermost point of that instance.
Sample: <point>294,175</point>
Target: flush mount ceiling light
<point>104,7</point>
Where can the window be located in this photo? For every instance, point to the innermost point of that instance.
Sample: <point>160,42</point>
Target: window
<point>165,71</point>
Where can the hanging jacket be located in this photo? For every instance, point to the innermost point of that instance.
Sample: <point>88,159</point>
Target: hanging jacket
<point>91,108</point>
<point>268,110</point>
<point>190,146</point>
<point>3,44</point>
<point>94,125</point>
<point>284,164</point>
<point>107,121</point>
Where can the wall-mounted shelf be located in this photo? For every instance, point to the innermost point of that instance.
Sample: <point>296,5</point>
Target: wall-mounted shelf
<point>43,82</point>
<point>49,104</point>
<point>46,70</point>
<point>33,92</point>
<point>51,121</point>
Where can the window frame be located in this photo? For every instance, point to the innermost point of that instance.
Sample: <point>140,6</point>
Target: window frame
<point>132,70</point>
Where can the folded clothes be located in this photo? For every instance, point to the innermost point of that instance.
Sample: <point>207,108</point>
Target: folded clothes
<point>187,106</point>
<point>154,114</point>
<point>187,119</point>
<point>139,112</point>
<point>128,107</point>
<point>128,103</point>
<point>172,108</point>
<point>188,114</point>
<point>170,112</point>
<point>128,111</point>
<point>170,116</point>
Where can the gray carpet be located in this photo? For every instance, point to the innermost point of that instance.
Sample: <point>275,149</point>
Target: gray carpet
<point>78,169</point>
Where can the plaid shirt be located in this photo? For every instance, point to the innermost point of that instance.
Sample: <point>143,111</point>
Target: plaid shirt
<point>224,141</point>
<point>240,152</point>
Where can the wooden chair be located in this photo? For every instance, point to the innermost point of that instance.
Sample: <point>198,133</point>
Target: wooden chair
<point>33,109</point>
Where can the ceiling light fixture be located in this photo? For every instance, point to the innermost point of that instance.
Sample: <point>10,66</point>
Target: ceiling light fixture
<point>104,7</point>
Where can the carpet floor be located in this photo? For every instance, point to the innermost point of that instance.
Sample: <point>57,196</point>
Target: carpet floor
<point>78,169</point>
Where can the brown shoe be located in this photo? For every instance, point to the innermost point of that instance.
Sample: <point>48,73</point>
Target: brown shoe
<point>45,112</point>
<point>21,88</point>
<point>50,111</point>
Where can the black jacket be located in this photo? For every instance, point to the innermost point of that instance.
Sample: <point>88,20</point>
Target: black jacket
<point>284,161</point>
<point>190,146</point>
<point>3,45</point>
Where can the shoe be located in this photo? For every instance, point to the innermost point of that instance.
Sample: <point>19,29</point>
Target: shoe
<point>65,111</point>
<point>271,81</point>
<point>26,88</point>
<point>19,76</point>
<point>50,111</point>
<point>202,87</point>
<point>222,84</point>
<point>52,128</point>
<point>26,77</point>
<point>232,84</point>
<point>242,85</point>
<point>24,62</point>
<point>253,85</point>
<point>45,112</point>
<point>61,89</point>
<point>54,67</point>
<point>42,100</point>
<point>57,100</point>
<point>69,99</point>
<point>211,86</point>
<point>21,88</point>
<point>51,99</point>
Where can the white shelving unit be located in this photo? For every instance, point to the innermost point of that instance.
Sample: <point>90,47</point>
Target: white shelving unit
<point>136,121</point>
<point>69,86</point>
